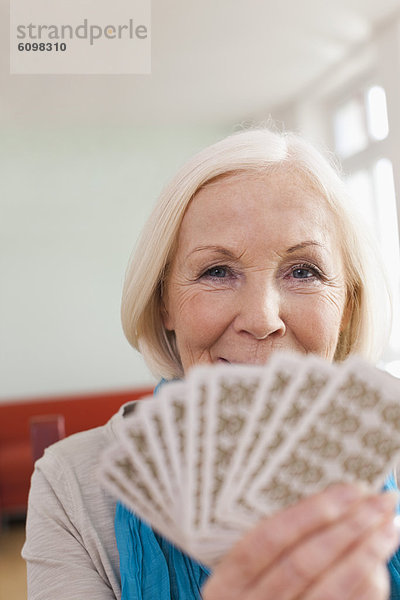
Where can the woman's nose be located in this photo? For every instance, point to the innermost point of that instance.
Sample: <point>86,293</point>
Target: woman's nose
<point>259,312</point>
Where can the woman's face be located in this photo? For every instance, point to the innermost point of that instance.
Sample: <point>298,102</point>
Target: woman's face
<point>257,269</point>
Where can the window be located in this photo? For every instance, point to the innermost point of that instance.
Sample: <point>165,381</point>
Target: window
<point>360,121</point>
<point>360,128</point>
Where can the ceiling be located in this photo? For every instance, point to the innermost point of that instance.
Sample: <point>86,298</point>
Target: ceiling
<point>212,61</point>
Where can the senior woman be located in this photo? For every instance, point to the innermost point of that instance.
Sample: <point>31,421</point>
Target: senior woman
<point>250,249</point>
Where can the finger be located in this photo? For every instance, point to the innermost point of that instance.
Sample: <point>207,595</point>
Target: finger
<point>375,587</point>
<point>344,576</point>
<point>260,548</point>
<point>298,569</point>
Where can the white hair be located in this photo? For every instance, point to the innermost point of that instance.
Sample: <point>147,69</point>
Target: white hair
<point>260,150</point>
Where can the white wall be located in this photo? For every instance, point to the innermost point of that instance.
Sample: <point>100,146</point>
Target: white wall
<point>73,201</point>
<point>72,204</point>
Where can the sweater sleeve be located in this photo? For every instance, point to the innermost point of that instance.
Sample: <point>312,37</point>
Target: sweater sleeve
<point>59,563</point>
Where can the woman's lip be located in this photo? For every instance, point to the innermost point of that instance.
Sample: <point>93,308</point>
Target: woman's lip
<point>232,362</point>
<point>225,361</point>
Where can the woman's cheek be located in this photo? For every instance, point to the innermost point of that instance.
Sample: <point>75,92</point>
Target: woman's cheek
<point>316,320</point>
<point>200,318</point>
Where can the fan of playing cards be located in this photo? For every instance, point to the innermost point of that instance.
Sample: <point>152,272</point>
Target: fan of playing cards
<point>208,456</point>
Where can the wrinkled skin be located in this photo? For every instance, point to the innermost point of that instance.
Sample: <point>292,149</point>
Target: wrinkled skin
<point>258,267</point>
<point>257,257</point>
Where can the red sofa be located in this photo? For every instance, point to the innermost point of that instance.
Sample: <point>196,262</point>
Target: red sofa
<point>16,464</point>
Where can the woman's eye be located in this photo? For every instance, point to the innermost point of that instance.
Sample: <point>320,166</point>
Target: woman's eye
<point>302,273</point>
<point>306,272</point>
<point>219,272</point>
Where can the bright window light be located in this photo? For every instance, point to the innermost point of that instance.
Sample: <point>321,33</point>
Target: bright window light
<point>361,191</point>
<point>389,237</point>
<point>350,129</point>
<point>393,368</point>
<point>378,125</point>
<point>386,201</point>
<point>359,125</point>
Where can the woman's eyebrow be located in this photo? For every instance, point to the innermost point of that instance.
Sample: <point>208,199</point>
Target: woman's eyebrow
<point>223,251</point>
<point>305,245</point>
<point>218,249</point>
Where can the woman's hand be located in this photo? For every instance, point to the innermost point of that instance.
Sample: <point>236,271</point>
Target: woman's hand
<point>331,546</point>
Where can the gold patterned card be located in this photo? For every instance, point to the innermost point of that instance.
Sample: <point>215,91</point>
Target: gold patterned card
<point>273,414</point>
<point>229,444</point>
<point>298,385</point>
<point>351,433</point>
<point>226,402</point>
<point>121,477</point>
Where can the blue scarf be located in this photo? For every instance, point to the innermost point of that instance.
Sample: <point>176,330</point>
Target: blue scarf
<point>153,569</point>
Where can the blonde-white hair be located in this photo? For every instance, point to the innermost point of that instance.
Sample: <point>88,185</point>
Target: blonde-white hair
<point>260,150</point>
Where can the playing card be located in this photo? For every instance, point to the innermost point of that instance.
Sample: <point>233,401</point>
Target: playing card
<point>288,388</point>
<point>230,403</point>
<point>166,427</point>
<point>195,473</point>
<point>142,444</point>
<point>171,425</point>
<point>350,433</point>
<point>118,473</point>
<point>231,443</point>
